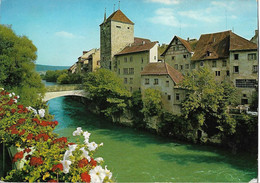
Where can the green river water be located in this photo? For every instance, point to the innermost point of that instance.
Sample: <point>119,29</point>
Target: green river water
<point>137,156</point>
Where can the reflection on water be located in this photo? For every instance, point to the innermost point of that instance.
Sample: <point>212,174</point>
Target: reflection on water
<point>138,156</point>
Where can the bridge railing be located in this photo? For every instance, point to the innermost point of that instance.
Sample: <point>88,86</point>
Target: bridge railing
<point>64,87</point>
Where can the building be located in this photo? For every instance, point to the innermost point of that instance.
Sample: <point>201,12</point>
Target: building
<point>230,57</point>
<point>179,52</point>
<point>116,32</point>
<point>163,77</point>
<point>132,59</point>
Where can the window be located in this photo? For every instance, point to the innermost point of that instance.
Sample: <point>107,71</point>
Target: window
<point>98,62</point>
<point>214,63</point>
<point>208,53</point>
<point>217,73</point>
<point>142,60</point>
<point>236,56</point>
<point>128,27</point>
<point>181,67</point>
<point>131,81</point>
<point>244,95</point>
<point>255,68</point>
<point>156,81</point>
<point>177,97</point>
<point>167,84</point>
<point>252,56</point>
<point>192,66</point>
<point>118,26</point>
<point>169,97</point>
<point>184,56</point>
<point>227,72</point>
<point>125,80</point>
<point>224,63</point>
<point>173,57</point>
<point>118,71</point>
<point>131,70</point>
<point>236,69</point>
<point>125,71</point>
<point>244,101</point>
<point>147,81</point>
<point>201,63</point>
<point>125,59</point>
<point>176,66</point>
<point>187,66</point>
<point>246,83</point>
<point>154,57</point>
<point>142,68</point>
<point>131,59</point>
<point>118,62</point>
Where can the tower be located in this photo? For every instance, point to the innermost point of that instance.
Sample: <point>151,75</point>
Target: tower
<point>116,32</point>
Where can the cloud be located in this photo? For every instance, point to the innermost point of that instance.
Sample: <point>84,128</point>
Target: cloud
<point>69,35</point>
<point>228,5</point>
<point>199,15</point>
<point>164,1</point>
<point>165,16</point>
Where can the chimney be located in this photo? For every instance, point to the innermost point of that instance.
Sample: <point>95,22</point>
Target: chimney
<point>143,42</point>
<point>188,39</point>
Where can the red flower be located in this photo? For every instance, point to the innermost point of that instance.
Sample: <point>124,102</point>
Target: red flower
<point>71,143</point>
<point>58,166</point>
<point>85,177</point>
<point>27,150</point>
<point>52,180</point>
<point>14,131</point>
<point>62,139</point>
<point>93,162</point>
<point>21,120</point>
<point>22,132</point>
<point>20,107</point>
<point>30,136</point>
<point>13,111</point>
<point>42,135</point>
<point>36,161</point>
<point>82,163</point>
<point>17,156</point>
<point>36,120</point>
<point>20,111</point>
<point>11,102</point>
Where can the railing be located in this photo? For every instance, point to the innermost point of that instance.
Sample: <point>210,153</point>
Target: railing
<point>65,87</point>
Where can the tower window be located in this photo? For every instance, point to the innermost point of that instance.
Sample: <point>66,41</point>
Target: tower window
<point>118,26</point>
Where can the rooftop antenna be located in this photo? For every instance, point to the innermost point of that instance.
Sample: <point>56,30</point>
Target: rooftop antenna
<point>119,5</point>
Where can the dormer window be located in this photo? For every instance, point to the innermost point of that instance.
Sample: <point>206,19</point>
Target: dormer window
<point>208,53</point>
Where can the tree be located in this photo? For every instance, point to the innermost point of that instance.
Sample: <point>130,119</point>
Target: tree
<point>106,89</point>
<point>206,105</point>
<point>152,102</point>
<point>63,79</point>
<point>17,67</point>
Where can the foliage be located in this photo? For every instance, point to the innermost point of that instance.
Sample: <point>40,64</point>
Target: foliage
<point>108,91</point>
<point>17,68</point>
<point>45,157</point>
<point>52,76</point>
<point>206,105</point>
<point>176,126</point>
<point>63,77</point>
<point>254,104</point>
<point>136,107</point>
<point>152,102</point>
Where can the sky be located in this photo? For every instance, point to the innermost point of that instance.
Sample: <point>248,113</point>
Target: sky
<point>62,29</point>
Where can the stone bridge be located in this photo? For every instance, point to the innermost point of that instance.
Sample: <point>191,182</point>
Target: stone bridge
<point>55,91</point>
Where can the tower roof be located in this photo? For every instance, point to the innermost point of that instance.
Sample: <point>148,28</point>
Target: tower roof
<point>120,17</point>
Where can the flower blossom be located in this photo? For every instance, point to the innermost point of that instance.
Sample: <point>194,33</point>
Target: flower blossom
<point>32,109</point>
<point>97,174</point>
<point>66,165</point>
<point>99,160</point>
<point>86,135</point>
<point>77,132</point>
<point>92,146</point>
<point>41,113</point>
<point>85,177</point>
<point>85,154</point>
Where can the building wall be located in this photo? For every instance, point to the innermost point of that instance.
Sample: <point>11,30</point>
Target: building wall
<point>114,36</point>
<point>95,60</point>
<point>171,95</point>
<point>178,57</point>
<point>134,61</point>
<point>154,53</point>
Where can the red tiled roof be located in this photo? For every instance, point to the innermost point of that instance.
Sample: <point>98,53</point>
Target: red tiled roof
<point>120,17</point>
<point>161,68</point>
<point>218,45</point>
<point>135,47</point>
<point>184,42</point>
<point>138,40</point>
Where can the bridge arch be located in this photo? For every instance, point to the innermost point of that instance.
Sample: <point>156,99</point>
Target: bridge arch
<point>51,95</point>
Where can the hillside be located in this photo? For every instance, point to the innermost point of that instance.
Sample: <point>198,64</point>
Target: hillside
<point>43,68</point>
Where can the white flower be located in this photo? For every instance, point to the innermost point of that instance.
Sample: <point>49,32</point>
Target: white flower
<point>18,96</point>
<point>41,113</point>
<point>77,132</point>
<point>92,146</point>
<point>2,89</point>
<point>86,135</point>
<point>15,101</point>
<point>97,174</point>
<point>66,165</point>
<point>108,173</point>
<point>85,154</point>
<point>101,144</point>
<point>10,95</point>
<point>32,109</point>
<point>13,94</point>
<point>68,153</point>
<point>99,160</point>
<point>72,147</point>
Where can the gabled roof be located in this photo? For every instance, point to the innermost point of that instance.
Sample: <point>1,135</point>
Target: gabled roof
<point>162,68</point>
<point>184,42</point>
<point>137,47</point>
<point>138,40</point>
<point>119,16</point>
<point>218,45</point>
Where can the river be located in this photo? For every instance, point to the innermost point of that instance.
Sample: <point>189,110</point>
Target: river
<point>137,156</point>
